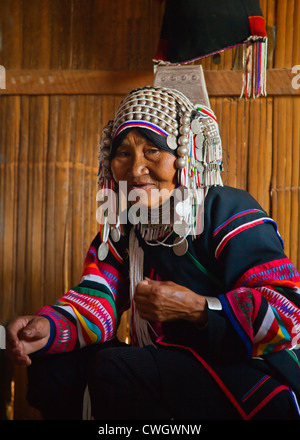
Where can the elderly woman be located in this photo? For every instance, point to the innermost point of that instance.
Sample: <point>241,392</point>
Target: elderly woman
<point>213,298</point>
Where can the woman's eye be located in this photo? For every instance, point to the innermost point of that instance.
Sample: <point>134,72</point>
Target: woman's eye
<point>152,151</point>
<point>122,154</point>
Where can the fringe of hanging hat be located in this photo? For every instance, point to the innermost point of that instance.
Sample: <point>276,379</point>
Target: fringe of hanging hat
<point>255,67</point>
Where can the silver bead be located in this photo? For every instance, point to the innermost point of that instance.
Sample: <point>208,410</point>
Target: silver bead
<point>185,120</point>
<point>183,140</point>
<point>106,142</point>
<point>180,163</point>
<point>106,129</point>
<point>105,153</point>
<point>182,150</point>
<point>106,163</point>
<point>184,129</point>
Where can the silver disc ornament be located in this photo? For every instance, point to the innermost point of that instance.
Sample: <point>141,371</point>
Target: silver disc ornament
<point>115,234</point>
<point>172,141</point>
<point>199,140</point>
<point>180,246</point>
<point>196,126</point>
<point>181,228</point>
<point>183,208</point>
<point>103,251</point>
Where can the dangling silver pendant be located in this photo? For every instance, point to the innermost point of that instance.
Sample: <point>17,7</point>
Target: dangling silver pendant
<point>181,228</point>
<point>181,248</point>
<point>103,251</point>
<point>183,208</point>
<point>196,126</point>
<point>199,139</point>
<point>115,234</point>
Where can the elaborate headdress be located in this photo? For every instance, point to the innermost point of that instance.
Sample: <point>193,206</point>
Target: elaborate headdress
<point>171,121</point>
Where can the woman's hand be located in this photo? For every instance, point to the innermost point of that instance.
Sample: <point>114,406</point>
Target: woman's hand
<point>168,301</point>
<point>25,335</point>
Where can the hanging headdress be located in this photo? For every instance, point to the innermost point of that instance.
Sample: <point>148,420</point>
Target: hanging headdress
<point>194,29</point>
<point>190,132</point>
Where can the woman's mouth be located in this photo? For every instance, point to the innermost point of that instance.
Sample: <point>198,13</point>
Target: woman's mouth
<point>139,186</point>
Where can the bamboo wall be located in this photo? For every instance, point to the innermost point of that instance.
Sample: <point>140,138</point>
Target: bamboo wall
<point>49,138</point>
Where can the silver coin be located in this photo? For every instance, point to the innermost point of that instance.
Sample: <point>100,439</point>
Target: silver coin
<point>196,126</point>
<point>183,208</point>
<point>103,251</point>
<point>199,140</point>
<point>181,248</point>
<point>115,234</point>
<point>171,142</point>
<point>181,228</point>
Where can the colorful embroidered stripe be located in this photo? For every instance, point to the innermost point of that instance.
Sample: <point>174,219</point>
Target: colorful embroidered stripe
<point>141,124</point>
<point>236,231</point>
<point>273,271</point>
<point>255,387</point>
<point>239,214</point>
<point>114,251</point>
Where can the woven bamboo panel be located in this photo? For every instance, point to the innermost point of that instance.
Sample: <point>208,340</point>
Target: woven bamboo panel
<point>49,143</point>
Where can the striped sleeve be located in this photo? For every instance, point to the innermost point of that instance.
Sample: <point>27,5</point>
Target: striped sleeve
<point>262,286</point>
<point>264,307</point>
<point>88,313</point>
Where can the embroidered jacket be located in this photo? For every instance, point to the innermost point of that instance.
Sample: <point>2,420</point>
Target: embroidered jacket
<point>239,258</point>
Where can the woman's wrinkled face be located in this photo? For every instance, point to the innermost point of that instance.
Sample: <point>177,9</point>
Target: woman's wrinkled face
<point>145,168</point>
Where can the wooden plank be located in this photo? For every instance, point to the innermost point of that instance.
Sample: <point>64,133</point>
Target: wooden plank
<point>89,82</point>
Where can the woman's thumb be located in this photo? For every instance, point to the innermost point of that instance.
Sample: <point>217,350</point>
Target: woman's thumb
<point>29,331</point>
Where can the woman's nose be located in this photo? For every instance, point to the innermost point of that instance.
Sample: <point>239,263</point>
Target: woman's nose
<point>139,165</point>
